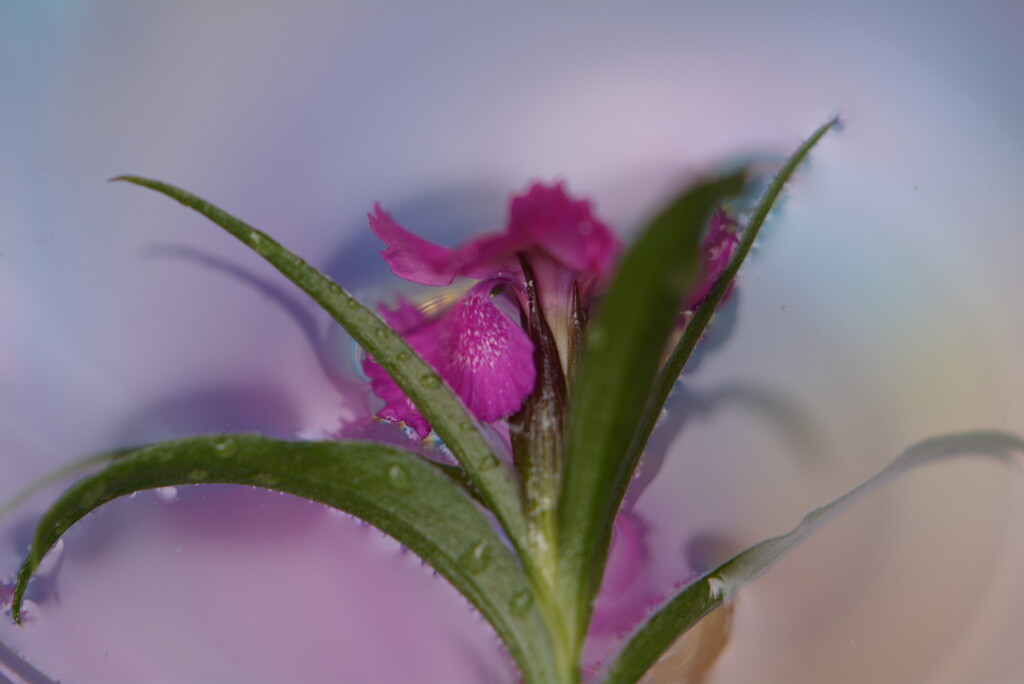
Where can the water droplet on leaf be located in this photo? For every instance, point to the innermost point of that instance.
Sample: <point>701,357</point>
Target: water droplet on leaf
<point>431,380</point>
<point>398,477</point>
<point>198,474</point>
<point>489,461</point>
<point>478,557</point>
<point>93,494</point>
<point>225,447</point>
<point>521,602</point>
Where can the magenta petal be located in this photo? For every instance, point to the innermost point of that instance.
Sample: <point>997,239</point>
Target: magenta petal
<point>417,260</point>
<point>720,243</point>
<point>543,223</point>
<point>477,349</point>
<point>404,317</point>
<point>565,229</point>
<point>410,256</point>
<point>421,334</point>
<point>486,357</point>
<point>490,256</point>
<point>396,405</point>
<point>717,249</point>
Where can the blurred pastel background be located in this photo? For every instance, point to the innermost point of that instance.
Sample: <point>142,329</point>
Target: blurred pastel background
<point>881,306</point>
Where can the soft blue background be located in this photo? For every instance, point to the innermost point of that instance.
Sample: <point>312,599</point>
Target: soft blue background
<point>882,306</point>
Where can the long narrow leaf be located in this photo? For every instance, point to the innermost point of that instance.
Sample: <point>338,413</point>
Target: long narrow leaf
<point>720,585</point>
<point>669,373</point>
<point>399,492</point>
<point>623,348</point>
<point>434,399</point>
<point>66,471</point>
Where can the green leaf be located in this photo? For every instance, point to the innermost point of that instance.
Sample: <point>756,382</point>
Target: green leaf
<point>720,585</point>
<point>401,493</point>
<point>702,316</point>
<point>621,355</point>
<point>492,478</point>
<point>74,468</point>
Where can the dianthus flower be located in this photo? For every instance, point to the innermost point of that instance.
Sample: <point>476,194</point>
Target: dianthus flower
<point>552,246</point>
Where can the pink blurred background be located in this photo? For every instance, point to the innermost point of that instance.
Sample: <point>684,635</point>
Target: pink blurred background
<point>881,306</point>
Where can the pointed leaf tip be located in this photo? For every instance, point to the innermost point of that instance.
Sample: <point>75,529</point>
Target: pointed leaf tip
<point>686,608</point>
<point>617,372</point>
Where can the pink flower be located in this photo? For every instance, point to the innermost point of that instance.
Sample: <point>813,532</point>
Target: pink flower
<point>566,246</point>
<point>717,249</point>
<point>476,348</point>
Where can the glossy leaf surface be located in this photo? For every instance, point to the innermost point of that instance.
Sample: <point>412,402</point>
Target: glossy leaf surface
<point>491,476</point>
<point>702,315</point>
<point>621,356</point>
<point>396,491</point>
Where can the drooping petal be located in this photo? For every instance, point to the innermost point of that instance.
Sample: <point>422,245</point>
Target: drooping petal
<point>716,249</point>
<point>569,249</point>
<point>476,348</point>
<point>486,357</point>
